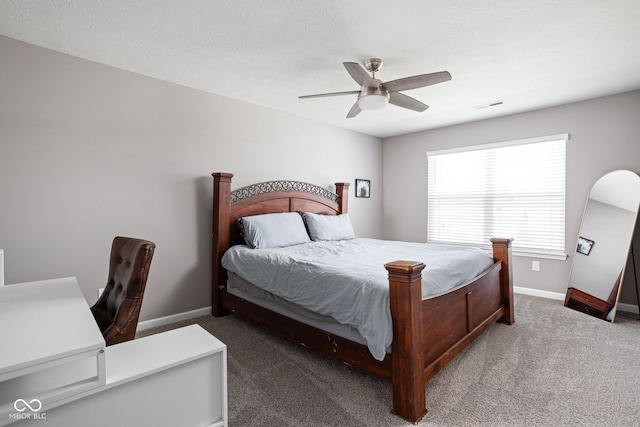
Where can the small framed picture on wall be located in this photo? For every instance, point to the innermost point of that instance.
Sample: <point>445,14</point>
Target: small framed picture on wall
<point>363,188</point>
<point>584,245</point>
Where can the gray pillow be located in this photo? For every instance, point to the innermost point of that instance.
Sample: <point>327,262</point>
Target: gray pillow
<point>274,230</point>
<point>329,227</point>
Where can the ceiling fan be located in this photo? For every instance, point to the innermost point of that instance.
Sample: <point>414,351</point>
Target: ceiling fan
<point>374,94</point>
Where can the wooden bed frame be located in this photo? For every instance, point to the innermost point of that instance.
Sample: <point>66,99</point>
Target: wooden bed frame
<point>427,334</point>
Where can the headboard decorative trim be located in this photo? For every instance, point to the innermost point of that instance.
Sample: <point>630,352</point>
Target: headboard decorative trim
<point>273,186</point>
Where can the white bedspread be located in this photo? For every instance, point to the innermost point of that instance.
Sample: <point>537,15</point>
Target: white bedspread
<point>347,280</point>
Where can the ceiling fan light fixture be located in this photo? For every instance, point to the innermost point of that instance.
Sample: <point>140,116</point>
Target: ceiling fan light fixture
<point>375,95</point>
<point>373,99</point>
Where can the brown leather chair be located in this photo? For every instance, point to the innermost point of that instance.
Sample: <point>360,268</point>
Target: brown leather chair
<point>118,308</point>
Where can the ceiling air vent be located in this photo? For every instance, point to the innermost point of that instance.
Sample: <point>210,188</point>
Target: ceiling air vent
<point>491,104</point>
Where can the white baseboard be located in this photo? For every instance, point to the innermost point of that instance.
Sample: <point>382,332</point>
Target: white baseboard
<point>166,320</point>
<point>628,308</point>
<point>538,293</point>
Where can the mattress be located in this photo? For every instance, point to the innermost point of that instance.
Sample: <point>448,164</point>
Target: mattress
<point>346,280</point>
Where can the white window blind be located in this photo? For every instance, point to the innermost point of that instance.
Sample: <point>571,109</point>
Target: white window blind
<point>514,189</point>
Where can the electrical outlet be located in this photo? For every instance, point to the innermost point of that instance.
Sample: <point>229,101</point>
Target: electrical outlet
<point>535,265</point>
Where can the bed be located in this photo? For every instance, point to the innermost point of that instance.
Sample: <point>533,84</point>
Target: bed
<point>428,332</point>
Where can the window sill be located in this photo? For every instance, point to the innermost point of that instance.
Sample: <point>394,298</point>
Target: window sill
<point>532,254</point>
<point>521,252</point>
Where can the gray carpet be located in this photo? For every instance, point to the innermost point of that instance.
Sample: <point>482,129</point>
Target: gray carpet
<point>554,367</point>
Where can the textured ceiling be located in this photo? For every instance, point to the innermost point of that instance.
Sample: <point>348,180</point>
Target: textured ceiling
<point>528,53</point>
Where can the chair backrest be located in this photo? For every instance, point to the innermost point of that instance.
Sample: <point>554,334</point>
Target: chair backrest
<point>117,309</point>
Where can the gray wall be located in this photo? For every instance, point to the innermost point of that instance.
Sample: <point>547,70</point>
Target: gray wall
<point>88,152</point>
<point>604,136</point>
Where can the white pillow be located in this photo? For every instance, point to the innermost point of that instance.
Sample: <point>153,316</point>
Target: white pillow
<point>274,230</point>
<point>329,227</point>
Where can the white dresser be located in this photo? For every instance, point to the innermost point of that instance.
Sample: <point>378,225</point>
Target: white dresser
<point>51,346</point>
<point>56,371</point>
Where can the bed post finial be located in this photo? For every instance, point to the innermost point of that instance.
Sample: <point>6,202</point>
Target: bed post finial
<point>220,238</point>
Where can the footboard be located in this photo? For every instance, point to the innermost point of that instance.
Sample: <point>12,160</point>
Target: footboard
<point>428,334</point>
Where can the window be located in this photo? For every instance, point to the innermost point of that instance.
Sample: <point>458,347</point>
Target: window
<point>514,189</point>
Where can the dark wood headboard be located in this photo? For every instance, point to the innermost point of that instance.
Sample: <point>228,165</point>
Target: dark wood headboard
<point>256,199</point>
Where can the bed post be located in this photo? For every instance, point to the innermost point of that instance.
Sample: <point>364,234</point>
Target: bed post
<point>220,238</point>
<point>407,352</point>
<point>342,190</point>
<point>502,252</point>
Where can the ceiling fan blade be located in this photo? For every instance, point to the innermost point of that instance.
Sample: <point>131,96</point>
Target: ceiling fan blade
<point>359,74</point>
<point>404,101</point>
<point>320,95</point>
<point>354,111</point>
<point>415,82</point>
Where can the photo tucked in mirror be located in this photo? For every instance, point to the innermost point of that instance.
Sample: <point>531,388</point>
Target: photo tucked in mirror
<point>598,265</point>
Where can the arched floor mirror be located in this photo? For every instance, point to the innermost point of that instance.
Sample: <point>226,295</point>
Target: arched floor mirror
<point>603,245</point>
